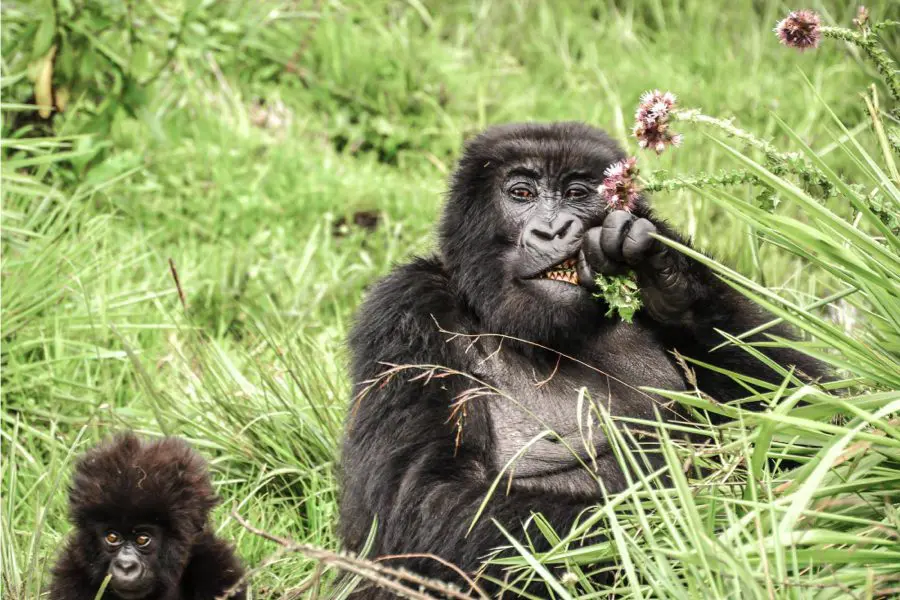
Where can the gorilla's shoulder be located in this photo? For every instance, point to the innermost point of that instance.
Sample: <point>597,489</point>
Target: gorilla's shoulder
<point>419,285</point>
<point>401,313</point>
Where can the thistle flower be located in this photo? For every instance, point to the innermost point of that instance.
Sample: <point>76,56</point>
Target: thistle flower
<point>651,127</point>
<point>800,30</point>
<point>862,17</point>
<point>620,188</point>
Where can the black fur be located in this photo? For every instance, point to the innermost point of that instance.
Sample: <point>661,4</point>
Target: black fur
<point>404,459</point>
<point>162,486</point>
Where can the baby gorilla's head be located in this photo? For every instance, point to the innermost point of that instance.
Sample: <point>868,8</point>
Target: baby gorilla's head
<point>139,507</point>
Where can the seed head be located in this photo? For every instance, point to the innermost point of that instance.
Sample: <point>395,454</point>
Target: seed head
<point>799,30</point>
<point>620,188</point>
<point>651,121</point>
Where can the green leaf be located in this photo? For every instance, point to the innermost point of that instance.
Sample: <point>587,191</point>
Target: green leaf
<point>66,8</point>
<point>65,60</point>
<point>621,294</point>
<point>45,34</point>
<point>140,60</point>
<point>534,564</point>
<point>87,66</point>
<point>113,166</point>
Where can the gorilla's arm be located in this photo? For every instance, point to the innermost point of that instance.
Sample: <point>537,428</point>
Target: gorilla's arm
<point>71,579</point>
<point>400,459</point>
<point>212,569</point>
<point>688,302</point>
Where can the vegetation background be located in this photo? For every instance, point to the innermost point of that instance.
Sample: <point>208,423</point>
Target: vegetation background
<point>279,156</point>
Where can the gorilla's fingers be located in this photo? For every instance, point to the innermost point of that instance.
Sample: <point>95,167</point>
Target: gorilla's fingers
<point>615,227</point>
<point>585,272</point>
<point>638,242</point>
<point>666,285</point>
<point>669,280</point>
<point>595,258</point>
<point>669,270</point>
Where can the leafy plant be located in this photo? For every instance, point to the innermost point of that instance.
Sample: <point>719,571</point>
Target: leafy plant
<point>621,295</point>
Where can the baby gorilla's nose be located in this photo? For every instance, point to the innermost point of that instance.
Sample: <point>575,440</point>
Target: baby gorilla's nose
<point>557,238</point>
<point>126,567</point>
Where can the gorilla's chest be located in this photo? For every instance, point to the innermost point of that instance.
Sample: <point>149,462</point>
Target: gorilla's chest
<point>546,415</point>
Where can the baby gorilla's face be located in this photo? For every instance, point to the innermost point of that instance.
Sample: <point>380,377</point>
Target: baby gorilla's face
<point>132,556</point>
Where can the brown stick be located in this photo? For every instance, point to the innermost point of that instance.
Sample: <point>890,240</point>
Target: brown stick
<point>177,284</point>
<point>386,577</point>
<point>472,585</point>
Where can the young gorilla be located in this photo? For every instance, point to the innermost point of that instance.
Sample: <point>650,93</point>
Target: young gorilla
<point>523,204</point>
<point>141,513</point>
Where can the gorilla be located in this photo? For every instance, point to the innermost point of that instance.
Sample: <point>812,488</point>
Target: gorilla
<point>459,360</point>
<point>141,515</point>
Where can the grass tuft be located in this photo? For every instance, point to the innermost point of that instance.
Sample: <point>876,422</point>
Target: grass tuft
<point>233,144</point>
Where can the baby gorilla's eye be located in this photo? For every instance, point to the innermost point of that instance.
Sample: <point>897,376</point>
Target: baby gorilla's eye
<point>142,540</point>
<point>112,538</point>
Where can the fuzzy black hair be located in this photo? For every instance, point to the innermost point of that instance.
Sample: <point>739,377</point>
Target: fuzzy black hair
<point>424,441</point>
<point>127,481</point>
<point>162,481</point>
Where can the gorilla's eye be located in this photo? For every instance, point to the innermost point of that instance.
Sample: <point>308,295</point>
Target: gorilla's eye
<point>576,191</point>
<point>521,191</point>
<point>112,538</point>
<point>142,540</point>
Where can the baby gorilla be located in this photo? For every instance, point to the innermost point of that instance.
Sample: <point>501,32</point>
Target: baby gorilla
<point>141,515</point>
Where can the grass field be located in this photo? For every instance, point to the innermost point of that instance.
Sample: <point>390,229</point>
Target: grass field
<point>276,124</point>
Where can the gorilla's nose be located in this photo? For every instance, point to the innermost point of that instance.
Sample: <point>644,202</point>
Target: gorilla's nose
<point>126,567</point>
<point>557,237</point>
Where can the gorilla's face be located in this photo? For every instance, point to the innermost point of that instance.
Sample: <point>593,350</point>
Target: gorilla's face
<point>511,234</point>
<point>137,556</point>
<point>133,558</point>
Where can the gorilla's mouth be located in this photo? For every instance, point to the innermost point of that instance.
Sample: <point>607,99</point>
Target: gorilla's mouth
<point>132,592</point>
<point>564,271</point>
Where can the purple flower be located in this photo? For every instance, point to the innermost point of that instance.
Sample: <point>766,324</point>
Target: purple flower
<point>620,188</point>
<point>799,30</point>
<point>651,127</point>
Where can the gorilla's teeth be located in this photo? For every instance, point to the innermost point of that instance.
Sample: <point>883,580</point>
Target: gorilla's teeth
<point>564,271</point>
<point>567,275</point>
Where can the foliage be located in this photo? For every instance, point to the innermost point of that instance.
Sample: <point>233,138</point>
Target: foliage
<point>241,141</point>
<point>620,293</point>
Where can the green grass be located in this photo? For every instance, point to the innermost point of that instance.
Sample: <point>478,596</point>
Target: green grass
<point>380,95</point>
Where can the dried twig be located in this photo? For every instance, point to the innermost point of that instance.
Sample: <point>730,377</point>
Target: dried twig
<point>472,585</point>
<point>392,579</point>
<point>544,382</point>
<point>292,65</point>
<point>177,284</point>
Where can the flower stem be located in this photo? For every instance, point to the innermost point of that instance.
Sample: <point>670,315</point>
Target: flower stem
<point>695,116</point>
<point>778,162</point>
<point>884,25</point>
<point>893,138</point>
<point>869,45</point>
<point>735,177</point>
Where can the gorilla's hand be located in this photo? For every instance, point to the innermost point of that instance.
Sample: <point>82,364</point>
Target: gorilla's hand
<point>624,242</point>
